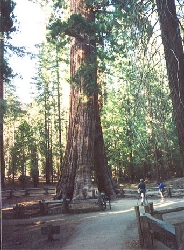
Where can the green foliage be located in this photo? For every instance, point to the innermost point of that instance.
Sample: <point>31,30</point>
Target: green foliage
<point>2,108</point>
<point>76,26</point>
<point>7,16</point>
<point>21,151</point>
<point>85,77</point>
<point>51,82</point>
<point>7,23</point>
<point>137,122</point>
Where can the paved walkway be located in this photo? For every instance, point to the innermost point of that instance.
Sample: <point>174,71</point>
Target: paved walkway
<point>110,230</point>
<point>105,230</point>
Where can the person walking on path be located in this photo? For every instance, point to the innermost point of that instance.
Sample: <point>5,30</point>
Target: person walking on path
<point>161,189</point>
<point>142,191</point>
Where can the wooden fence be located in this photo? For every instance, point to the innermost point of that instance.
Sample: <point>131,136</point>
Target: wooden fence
<point>46,207</point>
<point>124,193</point>
<point>151,228</point>
<point>8,194</point>
<point>35,209</point>
<point>10,197</point>
<point>153,192</point>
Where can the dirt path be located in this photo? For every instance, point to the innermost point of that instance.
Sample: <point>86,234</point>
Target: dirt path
<point>114,229</point>
<point>105,230</point>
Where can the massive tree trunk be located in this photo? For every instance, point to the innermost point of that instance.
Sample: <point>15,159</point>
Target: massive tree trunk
<point>174,56</point>
<point>85,146</point>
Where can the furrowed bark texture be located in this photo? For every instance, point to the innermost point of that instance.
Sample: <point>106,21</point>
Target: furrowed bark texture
<point>85,146</point>
<point>174,56</point>
<point>2,109</point>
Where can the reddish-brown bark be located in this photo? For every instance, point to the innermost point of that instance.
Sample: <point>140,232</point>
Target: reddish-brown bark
<point>1,97</point>
<point>85,146</point>
<point>174,56</point>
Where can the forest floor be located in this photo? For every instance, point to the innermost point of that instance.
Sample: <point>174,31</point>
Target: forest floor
<point>114,229</point>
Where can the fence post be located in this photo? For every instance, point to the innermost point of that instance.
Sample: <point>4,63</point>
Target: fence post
<point>11,194</point>
<point>137,212</point>
<point>147,236</point>
<point>26,191</point>
<point>100,201</point>
<point>149,208</point>
<point>169,192</point>
<point>41,207</point>
<point>46,191</point>
<point>65,206</point>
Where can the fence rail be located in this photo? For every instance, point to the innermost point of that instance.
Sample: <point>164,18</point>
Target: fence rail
<point>27,191</point>
<point>39,208</point>
<point>46,207</point>
<point>151,228</point>
<point>153,192</point>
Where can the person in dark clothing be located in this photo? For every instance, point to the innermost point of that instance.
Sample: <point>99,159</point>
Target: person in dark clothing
<point>142,191</point>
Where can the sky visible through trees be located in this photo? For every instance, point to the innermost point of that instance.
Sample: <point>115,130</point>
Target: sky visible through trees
<point>31,31</point>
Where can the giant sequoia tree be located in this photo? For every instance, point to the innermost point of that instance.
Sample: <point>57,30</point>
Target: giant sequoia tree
<point>85,153</point>
<point>172,41</point>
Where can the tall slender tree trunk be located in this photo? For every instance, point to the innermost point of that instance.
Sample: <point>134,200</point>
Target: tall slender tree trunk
<point>34,166</point>
<point>47,139</point>
<point>174,56</point>
<point>59,111</point>
<point>85,146</point>
<point>1,96</point>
